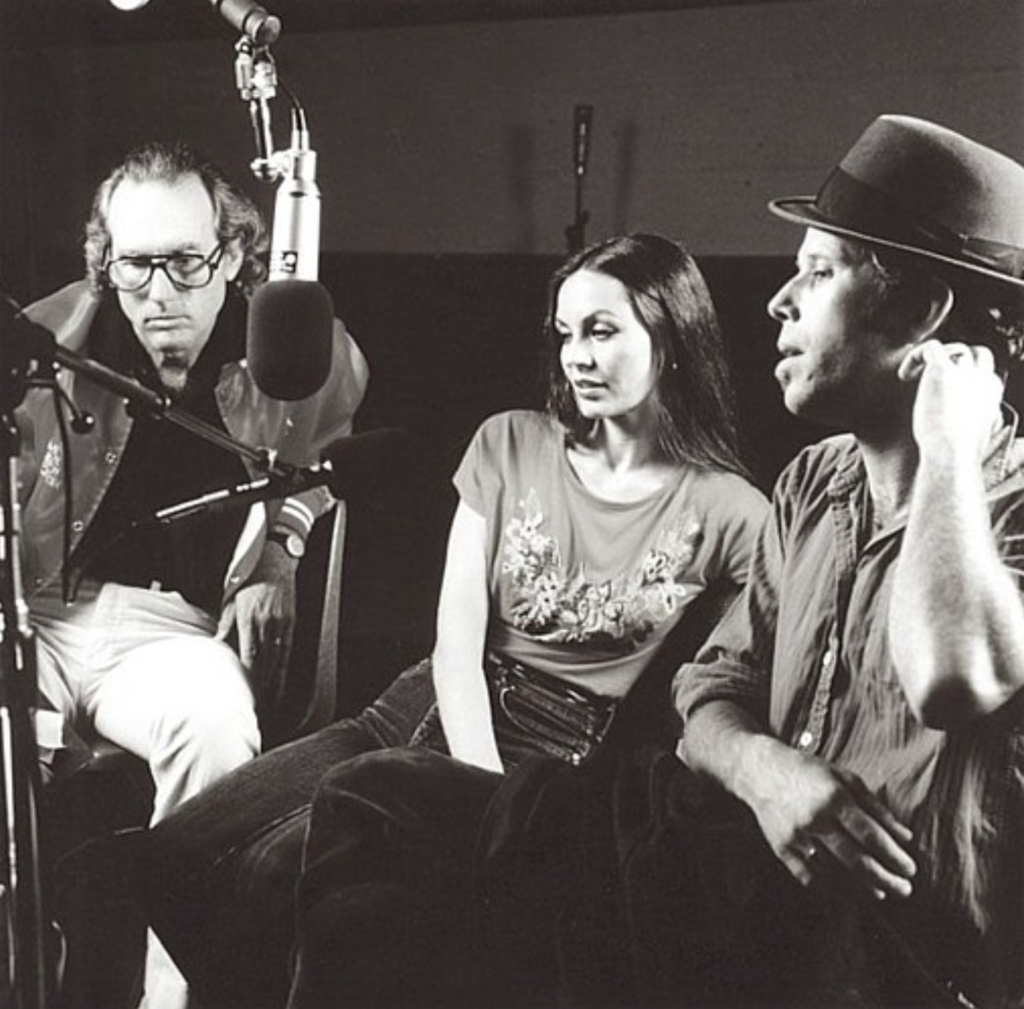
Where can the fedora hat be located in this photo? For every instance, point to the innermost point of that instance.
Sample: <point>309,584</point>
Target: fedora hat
<point>911,185</point>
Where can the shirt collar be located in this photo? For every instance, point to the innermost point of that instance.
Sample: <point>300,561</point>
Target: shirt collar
<point>1003,458</point>
<point>113,343</point>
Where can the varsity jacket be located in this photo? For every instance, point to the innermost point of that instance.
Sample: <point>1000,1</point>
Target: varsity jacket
<point>295,432</point>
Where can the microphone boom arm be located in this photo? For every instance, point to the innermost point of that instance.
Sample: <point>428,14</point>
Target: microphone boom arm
<point>152,403</point>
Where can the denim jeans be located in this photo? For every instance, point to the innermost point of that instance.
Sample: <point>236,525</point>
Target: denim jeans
<point>221,870</point>
<point>386,908</point>
<point>622,882</point>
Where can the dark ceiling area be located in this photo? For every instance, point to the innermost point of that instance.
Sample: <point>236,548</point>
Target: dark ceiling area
<point>31,24</point>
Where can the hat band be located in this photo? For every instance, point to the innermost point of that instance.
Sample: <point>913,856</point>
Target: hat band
<point>850,203</point>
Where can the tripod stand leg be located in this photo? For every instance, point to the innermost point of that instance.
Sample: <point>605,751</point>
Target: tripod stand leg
<point>25,975</point>
<point>23,917</point>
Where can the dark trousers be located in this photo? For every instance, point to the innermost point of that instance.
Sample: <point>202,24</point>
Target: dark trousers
<point>624,882</point>
<point>432,884</point>
<point>221,870</point>
<point>386,907</point>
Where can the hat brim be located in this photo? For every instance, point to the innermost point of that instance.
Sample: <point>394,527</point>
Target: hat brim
<point>802,210</point>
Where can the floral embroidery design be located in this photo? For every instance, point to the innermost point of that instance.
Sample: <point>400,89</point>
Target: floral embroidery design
<point>552,605</point>
<point>50,470</point>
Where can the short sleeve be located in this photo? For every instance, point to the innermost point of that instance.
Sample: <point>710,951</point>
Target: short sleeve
<point>741,512</point>
<point>478,477</point>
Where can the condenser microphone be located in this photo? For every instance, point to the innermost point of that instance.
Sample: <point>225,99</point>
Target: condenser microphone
<point>581,138</point>
<point>291,316</point>
<point>289,338</point>
<point>250,19</point>
<point>295,237</point>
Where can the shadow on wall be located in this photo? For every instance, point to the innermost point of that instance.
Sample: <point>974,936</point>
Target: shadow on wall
<point>450,340</point>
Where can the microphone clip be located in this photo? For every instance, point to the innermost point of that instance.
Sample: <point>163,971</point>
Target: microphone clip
<point>257,83</point>
<point>256,80</point>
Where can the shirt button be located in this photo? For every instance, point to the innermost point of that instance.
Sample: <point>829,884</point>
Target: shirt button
<point>805,740</point>
<point>78,525</point>
<point>110,458</point>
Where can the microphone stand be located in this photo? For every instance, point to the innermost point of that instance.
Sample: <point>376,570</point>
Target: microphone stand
<point>27,977</point>
<point>24,921</point>
<point>29,973</point>
<point>143,399</point>
<point>575,233</point>
<point>256,80</point>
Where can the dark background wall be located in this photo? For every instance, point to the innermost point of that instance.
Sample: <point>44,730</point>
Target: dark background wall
<point>444,144</point>
<point>455,137</point>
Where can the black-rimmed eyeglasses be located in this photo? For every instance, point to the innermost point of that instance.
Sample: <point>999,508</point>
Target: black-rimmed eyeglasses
<point>185,270</point>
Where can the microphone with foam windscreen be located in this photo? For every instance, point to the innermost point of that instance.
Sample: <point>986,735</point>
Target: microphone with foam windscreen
<point>291,316</point>
<point>289,338</point>
<point>359,462</point>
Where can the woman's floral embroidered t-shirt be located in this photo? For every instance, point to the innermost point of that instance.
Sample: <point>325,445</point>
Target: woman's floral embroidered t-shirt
<point>587,588</point>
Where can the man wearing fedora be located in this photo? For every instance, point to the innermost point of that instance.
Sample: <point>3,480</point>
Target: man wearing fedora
<point>863,698</point>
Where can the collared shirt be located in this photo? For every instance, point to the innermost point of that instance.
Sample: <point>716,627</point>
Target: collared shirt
<point>806,650</point>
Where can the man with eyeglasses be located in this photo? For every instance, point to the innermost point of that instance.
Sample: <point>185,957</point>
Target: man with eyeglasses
<point>173,631</point>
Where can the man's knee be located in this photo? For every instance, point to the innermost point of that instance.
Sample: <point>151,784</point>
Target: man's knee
<point>371,789</point>
<point>222,737</point>
<point>397,811</point>
<point>191,746</point>
<point>409,785</point>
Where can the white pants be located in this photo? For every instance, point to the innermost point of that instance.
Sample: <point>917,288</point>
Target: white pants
<point>142,668</point>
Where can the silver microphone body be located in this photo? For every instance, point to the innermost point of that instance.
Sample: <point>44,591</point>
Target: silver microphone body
<point>295,237</point>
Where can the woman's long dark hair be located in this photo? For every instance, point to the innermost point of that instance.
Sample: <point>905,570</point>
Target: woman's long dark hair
<point>696,411</point>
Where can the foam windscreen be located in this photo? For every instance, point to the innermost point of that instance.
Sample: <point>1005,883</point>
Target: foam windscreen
<point>289,337</point>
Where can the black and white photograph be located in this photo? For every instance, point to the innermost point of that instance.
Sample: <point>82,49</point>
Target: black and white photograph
<point>511,504</point>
